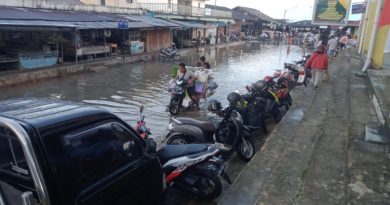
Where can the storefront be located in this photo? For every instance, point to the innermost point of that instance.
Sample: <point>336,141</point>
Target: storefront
<point>28,48</point>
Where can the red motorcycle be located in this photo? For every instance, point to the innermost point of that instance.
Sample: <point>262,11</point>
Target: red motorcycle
<point>279,89</point>
<point>140,127</point>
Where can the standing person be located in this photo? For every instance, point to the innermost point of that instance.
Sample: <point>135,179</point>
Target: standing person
<point>332,46</point>
<point>318,62</point>
<point>202,63</point>
<point>189,77</point>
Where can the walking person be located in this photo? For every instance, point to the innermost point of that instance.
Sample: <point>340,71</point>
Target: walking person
<point>318,62</point>
<point>332,47</point>
<point>343,41</point>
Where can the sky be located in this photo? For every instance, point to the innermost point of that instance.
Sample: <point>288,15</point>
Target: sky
<point>296,9</point>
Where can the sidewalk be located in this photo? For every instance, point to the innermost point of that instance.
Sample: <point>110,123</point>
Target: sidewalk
<point>318,154</point>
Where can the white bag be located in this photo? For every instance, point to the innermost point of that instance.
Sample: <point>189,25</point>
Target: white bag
<point>186,101</point>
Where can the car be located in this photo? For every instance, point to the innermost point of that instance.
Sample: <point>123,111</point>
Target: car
<point>59,152</point>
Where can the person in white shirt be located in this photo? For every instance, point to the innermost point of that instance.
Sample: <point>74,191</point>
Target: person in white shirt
<point>332,47</point>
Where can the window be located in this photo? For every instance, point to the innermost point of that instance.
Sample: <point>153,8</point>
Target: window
<point>99,151</point>
<point>103,2</point>
<point>12,161</point>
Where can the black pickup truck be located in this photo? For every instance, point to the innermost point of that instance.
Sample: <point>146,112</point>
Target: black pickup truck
<point>57,152</point>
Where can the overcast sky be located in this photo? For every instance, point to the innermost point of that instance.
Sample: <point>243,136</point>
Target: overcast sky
<point>296,9</point>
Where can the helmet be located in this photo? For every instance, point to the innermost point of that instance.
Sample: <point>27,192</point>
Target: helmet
<point>259,85</point>
<point>214,105</point>
<point>267,79</point>
<point>233,98</point>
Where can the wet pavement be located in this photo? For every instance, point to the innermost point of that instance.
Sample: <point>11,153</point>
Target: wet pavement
<point>123,88</point>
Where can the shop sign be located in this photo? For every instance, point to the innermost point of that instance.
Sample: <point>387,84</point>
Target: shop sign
<point>331,12</point>
<point>358,8</point>
<point>123,24</point>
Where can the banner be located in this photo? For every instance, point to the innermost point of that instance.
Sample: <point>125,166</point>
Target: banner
<point>358,8</point>
<point>385,17</point>
<point>331,12</point>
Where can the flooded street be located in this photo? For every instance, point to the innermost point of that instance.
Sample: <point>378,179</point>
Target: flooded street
<point>123,88</point>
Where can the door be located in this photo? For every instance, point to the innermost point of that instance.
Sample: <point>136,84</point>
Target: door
<point>112,167</point>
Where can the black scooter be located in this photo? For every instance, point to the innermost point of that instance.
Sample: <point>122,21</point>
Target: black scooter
<point>231,131</point>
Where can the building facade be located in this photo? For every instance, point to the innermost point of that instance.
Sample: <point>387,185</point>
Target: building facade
<point>381,53</point>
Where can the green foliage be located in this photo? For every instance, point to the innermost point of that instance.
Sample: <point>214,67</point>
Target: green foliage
<point>174,70</point>
<point>340,8</point>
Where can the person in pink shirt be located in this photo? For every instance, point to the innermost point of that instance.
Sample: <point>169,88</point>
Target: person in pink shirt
<point>343,41</point>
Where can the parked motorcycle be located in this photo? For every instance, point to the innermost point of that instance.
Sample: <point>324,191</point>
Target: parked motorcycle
<point>193,168</point>
<point>230,130</point>
<point>279,86</point>
<point>169,53</point>
<point>266,99</point>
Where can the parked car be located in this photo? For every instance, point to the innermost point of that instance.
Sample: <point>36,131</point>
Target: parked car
<point>57,152</point>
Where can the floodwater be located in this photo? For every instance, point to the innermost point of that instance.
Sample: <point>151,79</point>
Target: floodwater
<point>123,88</point>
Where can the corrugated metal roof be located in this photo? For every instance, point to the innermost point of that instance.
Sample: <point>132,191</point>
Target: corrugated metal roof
<point>157,22</point>
<point>256,13</point>
<point>78,25</point>
<point>240,16</point>
<point>82,20</point>
<point>188,24</point>
<point>51,15</point>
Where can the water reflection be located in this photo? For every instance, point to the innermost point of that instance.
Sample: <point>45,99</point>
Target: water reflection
<point>123,88</point>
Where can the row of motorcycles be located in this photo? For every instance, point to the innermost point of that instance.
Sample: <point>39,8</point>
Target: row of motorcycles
<point>196,152</point>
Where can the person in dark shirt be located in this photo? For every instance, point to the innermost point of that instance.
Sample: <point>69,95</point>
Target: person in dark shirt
<point>202,63</point>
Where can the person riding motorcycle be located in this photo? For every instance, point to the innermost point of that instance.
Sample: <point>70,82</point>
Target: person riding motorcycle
<point>189,77</point>
<point>202,63</point>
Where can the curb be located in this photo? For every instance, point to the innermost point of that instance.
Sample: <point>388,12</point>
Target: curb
<point>381,107</point>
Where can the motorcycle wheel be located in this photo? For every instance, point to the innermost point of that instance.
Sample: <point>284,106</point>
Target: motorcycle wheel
<point>289,99</point>
<point>177,139</point>
<point>277,115</point>
<point>209,185</point>
<point>286,106</point>
<point>245,149</point>
<point>174,107</point>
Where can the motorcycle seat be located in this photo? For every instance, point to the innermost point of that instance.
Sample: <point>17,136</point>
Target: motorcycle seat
<point>174,151</point>
<point>204,125</point>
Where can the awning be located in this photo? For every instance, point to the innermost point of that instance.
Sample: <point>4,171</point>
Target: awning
<point>188,24</point>
<point>62,24</point>
<point>153,21</point>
